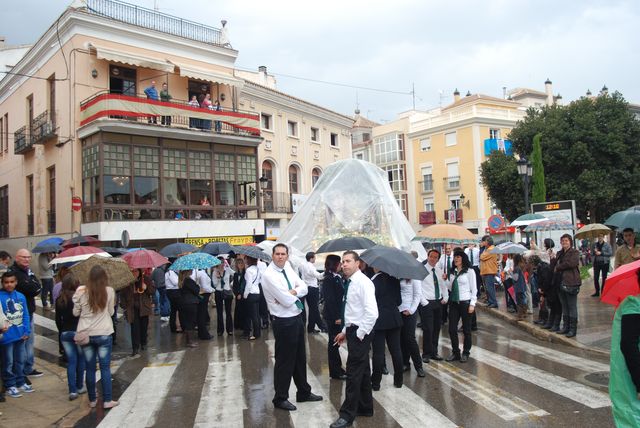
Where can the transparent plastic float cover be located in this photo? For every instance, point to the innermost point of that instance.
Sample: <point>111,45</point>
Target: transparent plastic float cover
<point>351,198</point>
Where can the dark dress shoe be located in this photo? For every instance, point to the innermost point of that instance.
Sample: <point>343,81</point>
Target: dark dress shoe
<point>464,358</point>
<point>340,377</point>
<point>310,397</point>
<point>341,423</point>
<point>453,357</point>
<point>474,328</point>
<point>385,371</point>
<point>595,295</point>
<point>538,322</point>
<point>406,368</point>
<point>375,387</point>
<point>285,405</point>
<point>420,372</point>
<point>436,358</point>
<point>425,359</point>
<point>397,385</point>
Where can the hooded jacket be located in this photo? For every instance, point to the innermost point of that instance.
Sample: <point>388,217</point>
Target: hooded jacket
<point>14,306</point>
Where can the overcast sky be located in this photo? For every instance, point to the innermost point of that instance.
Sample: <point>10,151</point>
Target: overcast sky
<point>477,46</point>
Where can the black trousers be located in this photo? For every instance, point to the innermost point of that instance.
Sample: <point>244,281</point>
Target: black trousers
<point>600,269</point>
<point>139,329</point>
<point>408,343</point>
<point>223,310</point>
<point>358,394</point>
<point>333,352</point>
<point>313,299</point>
<point>47,291</point>
<point>263,310</point>
<point>431,323</point>
<point>457,311</point>
<point>252,326</point>
<point>239,317</point>
<point>201,316</point>
<point>291,358</point>
<point>392,339</point>
<point>445,313</point>
<point>174,302</point>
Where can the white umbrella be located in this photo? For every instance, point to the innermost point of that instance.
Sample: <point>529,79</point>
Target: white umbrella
<point>527,219</point>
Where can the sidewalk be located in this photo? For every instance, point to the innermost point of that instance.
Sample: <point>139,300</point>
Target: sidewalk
<point>594,321</point>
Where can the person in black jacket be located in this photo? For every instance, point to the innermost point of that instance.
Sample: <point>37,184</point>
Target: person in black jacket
<point>387,328</point>
<point>188,310</point>
<point>239,313</point>
<point>543,278</point>
<point>333,292</point>
<point>28,285</point>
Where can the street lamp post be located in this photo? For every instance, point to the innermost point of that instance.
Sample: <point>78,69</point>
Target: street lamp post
<point>264,182</point>
<point>525,170</point>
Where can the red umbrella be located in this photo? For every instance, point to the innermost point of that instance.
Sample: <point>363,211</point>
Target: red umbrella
<point>143,259</point>
<point>75,254</point>
<point>80,240</point>
<point>621,283</point>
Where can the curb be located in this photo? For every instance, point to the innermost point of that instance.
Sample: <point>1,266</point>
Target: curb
<point>538,333</point>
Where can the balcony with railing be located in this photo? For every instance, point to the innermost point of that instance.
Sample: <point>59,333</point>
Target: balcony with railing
<point>452,183</point>
<point>43,128</point>
<point>453,215</point>
<point>427,217</point>
<point>22,141</point>
<point>426,186</point>
<point>154,20</point>
<point>276,202</point>
<point>176,115</point>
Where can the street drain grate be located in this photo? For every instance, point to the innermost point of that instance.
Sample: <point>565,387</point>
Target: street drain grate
<point>599,378</point>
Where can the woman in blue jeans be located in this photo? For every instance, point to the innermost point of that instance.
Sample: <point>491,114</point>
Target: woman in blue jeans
<point>67,325</point>
<point>94,305</point>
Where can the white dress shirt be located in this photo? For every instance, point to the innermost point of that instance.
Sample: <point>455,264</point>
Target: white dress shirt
<point>199,276</point>
<point>361,308</point>
<point>442,263</point>
<point>476,255</point>
<point>411,293</point>
<point>467,287</point>
<point>309,274</point>
<point>227,276</point>
<point>171,280</point>
<point>252,279</point>
<point>428,287</point>
<point>280,301</point>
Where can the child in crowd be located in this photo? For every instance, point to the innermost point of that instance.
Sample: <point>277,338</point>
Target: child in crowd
<point>12,344</point>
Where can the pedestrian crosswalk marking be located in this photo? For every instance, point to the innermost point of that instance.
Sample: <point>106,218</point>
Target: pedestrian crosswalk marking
<point>496,400</point>
<point>556,356</point>
<point>222,401</point>
<point>569,389</point>
<point>45,322</point>
<point>144,397</point>
<point>46,345</point>
<point>320,413</point>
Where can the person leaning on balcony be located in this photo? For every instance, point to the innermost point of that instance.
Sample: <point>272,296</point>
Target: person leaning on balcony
<point>193,121</point>
<point>218,124</point>
<point>206,103</point>
<point>165,97</point>
<point>152,94</point>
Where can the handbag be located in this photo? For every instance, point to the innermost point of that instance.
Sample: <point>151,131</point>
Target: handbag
<point>570,289</point>
<point>81,338</point>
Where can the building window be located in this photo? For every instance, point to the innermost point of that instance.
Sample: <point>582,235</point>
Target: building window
<point>266,121</point>
<point>454,203</point>
<point>388,148</point>
<point>51,81</point>
<point>267,194</point>
<point>122,80</point>
<point>366,136</point>
<point>51,213</point>
<point>359,156</point>
<point>494,134</point>
<point>5,131</point>
<point>315,176</point>
<point>225,174</point>
<point>425,144</point>
<point>450,139</point>
<point>4,212</point>
<point>2,140</point>
<point>396,177</point>
<point>30,115</point>
<point>292,128</point>
<point>427,179</point>
<point>334,140</point>
<point>315,134</point>
<point>146,170</point>
<point>247,184</point>
<point>453,176</point>
<point>117,174</point>
<point>30,212</point>
<point>429,205</point>
<point>294,179</point>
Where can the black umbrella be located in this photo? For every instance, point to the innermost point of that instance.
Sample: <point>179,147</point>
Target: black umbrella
<point>346,243</point>
<point>115,252</point>
<point>176,249</point>
<point>252,251</point>
<point>217,247</point>
<point>394,262</point>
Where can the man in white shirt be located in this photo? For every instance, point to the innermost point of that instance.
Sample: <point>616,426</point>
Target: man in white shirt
<point>434,298</point>
<point>282,291</point>
<point>262,306</point>
<point>310,276</point>
<point>360,314</point>
<point>411,294</point>
<point>446,265</point>
<point>473,253</point>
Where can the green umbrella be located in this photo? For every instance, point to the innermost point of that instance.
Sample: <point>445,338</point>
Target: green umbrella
<point>623,219</point>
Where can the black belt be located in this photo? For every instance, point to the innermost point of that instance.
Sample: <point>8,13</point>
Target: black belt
<point>285,318</point>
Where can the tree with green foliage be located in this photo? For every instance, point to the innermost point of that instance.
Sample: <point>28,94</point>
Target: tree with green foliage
<point>590,152</point>
<point>539,192</point>
<point>499,176</point>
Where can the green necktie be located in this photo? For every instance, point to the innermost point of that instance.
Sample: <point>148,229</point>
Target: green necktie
<point>436,287</point>
<point>455,292</point>
<point>471,254</point>
<point>448,266</point>
<point>344,300</point>
<point>298,302</point>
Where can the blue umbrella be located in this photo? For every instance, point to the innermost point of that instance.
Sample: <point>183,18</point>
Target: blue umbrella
<point>176,249</point>
<point>47,248</point>
<point>194,261</point>
<point>55,241</point>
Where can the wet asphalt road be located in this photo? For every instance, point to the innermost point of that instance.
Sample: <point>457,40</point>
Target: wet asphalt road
<point>510,380</point>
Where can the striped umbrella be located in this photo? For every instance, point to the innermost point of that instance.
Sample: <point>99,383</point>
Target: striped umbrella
<point>446,234</point>
<point>77,254</point>
<point>550,225</point>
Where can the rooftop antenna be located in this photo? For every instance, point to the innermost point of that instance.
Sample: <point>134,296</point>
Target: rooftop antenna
<point>413,94</point>
<point>441,95</point>
<point>357,103</point>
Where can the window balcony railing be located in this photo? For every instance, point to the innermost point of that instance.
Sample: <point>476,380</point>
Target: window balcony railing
<point>276,202</point>
<point>452,183</point>
<point>426,186</point>
<point>43,128</point>
<point>22,141</point>
<point>30,225</point>
<point>153,20</point>
<point>51,221</point>
<point>92,214</point>
<point>174,114</point>
<point>453,215</point>
<point>427,217</point>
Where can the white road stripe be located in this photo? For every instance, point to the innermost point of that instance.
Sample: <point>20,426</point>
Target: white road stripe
<point>45,322</point>
<point>143,398</point>
<point>556,356</point>
<point>222,401</point>
<point>46,345</point>
<point>572,390</point>
<point>496,400</point>
<point>318,413</point>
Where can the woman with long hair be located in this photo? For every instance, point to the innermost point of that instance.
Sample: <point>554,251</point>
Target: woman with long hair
<point>94,304</point>
<point>569,282</point>
<point>333,292</point>
<point>67,324</point>
<point>222,278</point>
<point>239,312</point>
<point>462,286</point>
<point>252,298</point>
<point>188,311</point>
<point>136,300</point>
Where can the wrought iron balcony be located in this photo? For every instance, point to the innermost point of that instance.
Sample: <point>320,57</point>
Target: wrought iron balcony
<point>452,183</point>
<point>453,215</point>
<point>43,128</point>
<point>153,20</point>
<point>427,217</point>
<point>276,202</point>
<point>22,141</point>
<point>426,186</point>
